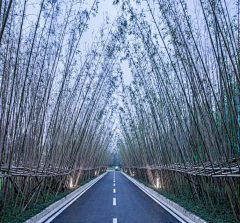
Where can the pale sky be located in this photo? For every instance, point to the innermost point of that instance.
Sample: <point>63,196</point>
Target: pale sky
<point>106,8</point>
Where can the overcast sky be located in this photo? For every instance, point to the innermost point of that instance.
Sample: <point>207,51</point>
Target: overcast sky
<point>106,8</point>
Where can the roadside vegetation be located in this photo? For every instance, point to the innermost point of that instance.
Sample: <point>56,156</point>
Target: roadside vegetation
<point>40,206</point>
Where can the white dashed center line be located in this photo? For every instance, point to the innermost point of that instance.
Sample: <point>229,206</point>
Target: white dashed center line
<point>114,201</point>
<point>114,220</point>
<point>114,185</point>
<point>114,191</point>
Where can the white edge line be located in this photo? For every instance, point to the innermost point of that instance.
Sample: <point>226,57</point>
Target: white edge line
<point>68,204</point>
<point>160,203</point>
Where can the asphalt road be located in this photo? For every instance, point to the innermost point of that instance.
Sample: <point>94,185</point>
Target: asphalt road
<point>101,205</point>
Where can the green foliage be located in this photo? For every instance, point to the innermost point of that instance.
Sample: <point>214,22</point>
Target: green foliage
<point>111,168</point>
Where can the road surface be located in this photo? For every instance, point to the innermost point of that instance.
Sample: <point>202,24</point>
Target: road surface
<point>114,202</point>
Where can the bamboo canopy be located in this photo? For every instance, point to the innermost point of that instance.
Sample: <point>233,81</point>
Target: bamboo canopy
<point>177,125</point>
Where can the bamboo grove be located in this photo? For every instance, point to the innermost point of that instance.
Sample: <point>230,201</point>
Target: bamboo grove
<point>57,100</point>
<point>179,119</point>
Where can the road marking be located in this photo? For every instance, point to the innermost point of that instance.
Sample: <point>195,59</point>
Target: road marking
<point>114,220</point>
<point>114,201</point>
<point>114,185</point>
<point>114,181</point>
<point>114,191</point>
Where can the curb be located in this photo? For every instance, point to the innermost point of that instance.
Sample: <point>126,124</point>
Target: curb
<point>52,211</point>
<point>173,208</point>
